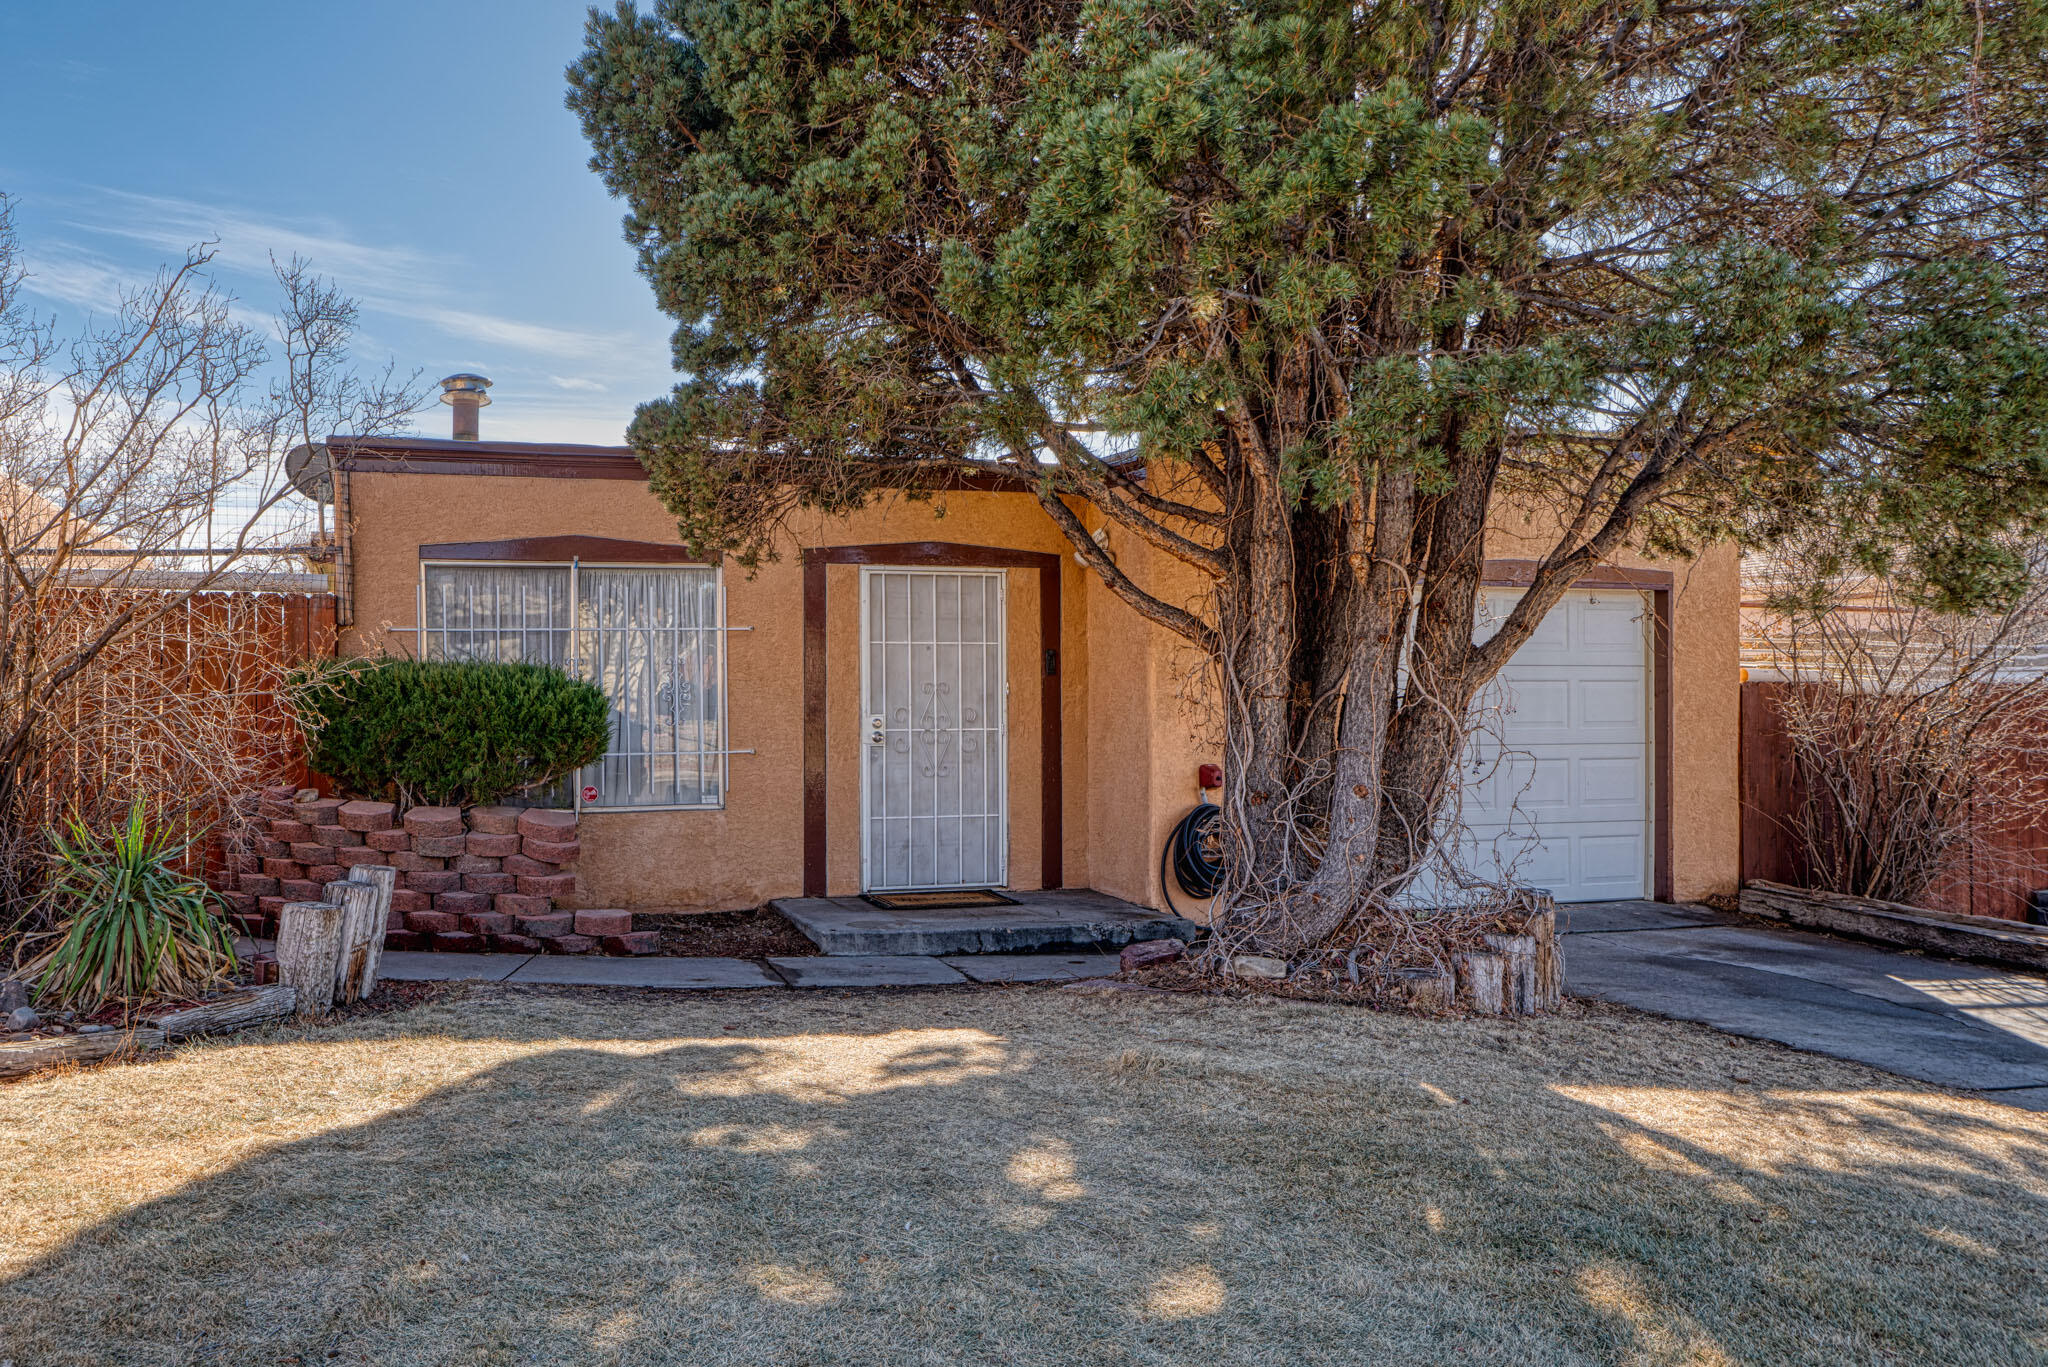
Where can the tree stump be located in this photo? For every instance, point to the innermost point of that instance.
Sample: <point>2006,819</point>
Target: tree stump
<point>308,946</point>
<point>1481,983</point>
<point>1518,961</point>
<point>1428,989</point>
<point>358,903</point>
<point>384,878</point>
<point>1549,973</point>
<point>236,1011</point>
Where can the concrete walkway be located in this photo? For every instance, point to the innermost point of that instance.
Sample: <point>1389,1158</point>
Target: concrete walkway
<point>852,970</point>
<point>1949,1023</point>
<point>1953,1024</point>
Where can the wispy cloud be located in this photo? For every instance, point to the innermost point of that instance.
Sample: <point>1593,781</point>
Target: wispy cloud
<point>395,280</point>
<point>576,383</point>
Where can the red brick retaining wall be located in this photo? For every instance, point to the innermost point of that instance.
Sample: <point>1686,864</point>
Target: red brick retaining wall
<point>496,879</point>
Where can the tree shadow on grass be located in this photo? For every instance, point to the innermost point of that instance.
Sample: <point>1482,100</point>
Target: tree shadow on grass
<point>1039,1180</point>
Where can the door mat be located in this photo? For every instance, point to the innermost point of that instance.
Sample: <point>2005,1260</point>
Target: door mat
<point>945,899</point>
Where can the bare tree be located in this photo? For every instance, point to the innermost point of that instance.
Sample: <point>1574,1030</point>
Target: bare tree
<point>141,479</point>
<point>1905,723</point>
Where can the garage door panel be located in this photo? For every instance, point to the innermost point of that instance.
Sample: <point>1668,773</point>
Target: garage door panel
<point>1557,778</point>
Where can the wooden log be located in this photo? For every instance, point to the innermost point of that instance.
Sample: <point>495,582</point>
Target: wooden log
<point>236,1011</point>
<point>1481,980</point>
<point>2010,942</point>
<point>1518,971</point>
<point>29,1056</point>
<point>384,877</point>
<point>1426,989</point>
<point>358,903</point>
<point>1549,966</point>
<point>308,944</point>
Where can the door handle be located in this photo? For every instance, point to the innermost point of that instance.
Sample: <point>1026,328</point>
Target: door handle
<point>876,734</point>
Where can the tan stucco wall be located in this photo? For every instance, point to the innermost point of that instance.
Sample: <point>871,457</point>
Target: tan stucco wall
<point>752,849</point>
<point>1135,722</point>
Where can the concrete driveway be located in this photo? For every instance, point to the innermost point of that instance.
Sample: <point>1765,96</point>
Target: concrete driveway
<point>1938,1020</point>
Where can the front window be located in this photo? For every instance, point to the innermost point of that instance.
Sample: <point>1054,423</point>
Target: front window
<point>651,637</point>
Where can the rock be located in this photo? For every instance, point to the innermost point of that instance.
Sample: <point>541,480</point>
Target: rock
<point>94,1029</point>
<point>463,903</point>
<point>491,845</point>
<point>548,885</point>
<point>1145,953</point>
<point>567,944</point>
<point>601,923</point>
<point>521,867</point>
<point>493,883</point>
<point>633,942</point>
<point>547,824</point>
<point>432,880</point>
<point>388,841</point>
<point>440,846</point>
<point>494,820</point>
<point>432,922</point>
<point>364,816</point>
<point>487,923</point>
<point>556,852</point>
<point>433,823</point>
<point>548,927</point>
<point>23,1018</point>
<point>1258,966</point>
<point>13,995</point>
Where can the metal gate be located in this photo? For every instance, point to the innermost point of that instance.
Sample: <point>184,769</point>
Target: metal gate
<point>934,771</point>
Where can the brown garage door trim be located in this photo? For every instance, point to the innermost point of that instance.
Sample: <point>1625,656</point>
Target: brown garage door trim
<point>929,555</point>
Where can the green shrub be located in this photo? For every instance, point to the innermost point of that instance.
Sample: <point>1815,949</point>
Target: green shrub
<point>129,926</point>
<point>448,732</point>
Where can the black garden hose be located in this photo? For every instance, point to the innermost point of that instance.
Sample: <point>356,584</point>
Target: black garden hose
<point>1193,853</point>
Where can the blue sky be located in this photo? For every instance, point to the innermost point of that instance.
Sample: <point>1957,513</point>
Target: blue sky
<point>417,152</point>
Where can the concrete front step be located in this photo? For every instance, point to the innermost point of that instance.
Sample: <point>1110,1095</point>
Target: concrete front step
<point>1040,920</point>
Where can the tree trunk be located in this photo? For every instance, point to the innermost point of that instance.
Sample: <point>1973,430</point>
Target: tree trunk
<point>308,948</point>
<point>236,1011</point>
<point>29,1056</point>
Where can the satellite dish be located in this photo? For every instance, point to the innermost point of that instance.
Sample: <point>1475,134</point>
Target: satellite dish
<point>311,472</point>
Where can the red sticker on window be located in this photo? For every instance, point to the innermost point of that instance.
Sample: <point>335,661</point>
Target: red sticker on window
<point>590,792</point>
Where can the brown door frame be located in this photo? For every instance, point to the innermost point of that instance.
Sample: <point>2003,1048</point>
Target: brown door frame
<point>1658,585</point>
<point>930,555</point>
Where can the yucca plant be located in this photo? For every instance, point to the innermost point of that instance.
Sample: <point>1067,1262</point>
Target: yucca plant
<point>130,926</point>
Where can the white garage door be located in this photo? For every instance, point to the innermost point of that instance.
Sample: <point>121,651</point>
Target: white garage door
<point>1557,789</point>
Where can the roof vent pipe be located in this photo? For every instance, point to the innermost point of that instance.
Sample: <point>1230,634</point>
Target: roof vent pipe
<point>465,394</point>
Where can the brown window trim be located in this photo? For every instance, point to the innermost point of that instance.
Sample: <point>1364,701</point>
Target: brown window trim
<point>930,554</point>
<point>563,549</point>
<point>1658,584</point>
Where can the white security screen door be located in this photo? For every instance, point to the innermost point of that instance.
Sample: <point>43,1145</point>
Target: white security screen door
<point>934,797</point>
<point>1557,781</point>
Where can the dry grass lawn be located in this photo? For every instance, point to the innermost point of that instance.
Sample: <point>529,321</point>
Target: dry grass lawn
<point>1025,1176</point>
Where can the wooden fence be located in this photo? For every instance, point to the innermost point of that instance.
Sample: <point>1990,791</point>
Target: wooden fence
<point>185,701</point>
<point>2001,861</point>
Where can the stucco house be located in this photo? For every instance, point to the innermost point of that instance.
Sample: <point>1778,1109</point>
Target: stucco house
<point>935,693</point>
